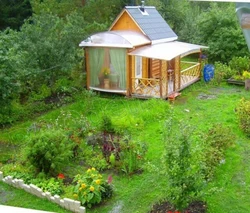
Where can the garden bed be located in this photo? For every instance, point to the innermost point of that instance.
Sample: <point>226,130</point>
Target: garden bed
<point>194,207</point>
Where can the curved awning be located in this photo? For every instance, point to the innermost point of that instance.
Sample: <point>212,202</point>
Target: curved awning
<point>167,51</point>
<point>119,38</point>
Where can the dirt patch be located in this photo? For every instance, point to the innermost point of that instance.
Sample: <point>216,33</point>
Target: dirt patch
<point>194,207</point>
<point>204,96</point>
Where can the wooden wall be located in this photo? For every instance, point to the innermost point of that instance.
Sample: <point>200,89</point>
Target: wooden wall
<point>125,22</point>
<point>155,68</point>
<point>144,67</point>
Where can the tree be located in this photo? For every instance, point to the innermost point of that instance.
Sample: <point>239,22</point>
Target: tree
<point>12,62</point>
<point>13,13</point>
<point>219,29</point>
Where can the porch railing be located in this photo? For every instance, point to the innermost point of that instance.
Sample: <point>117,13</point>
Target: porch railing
<point>153,87</point>
<point>149,87</point>
<point>190,73</point>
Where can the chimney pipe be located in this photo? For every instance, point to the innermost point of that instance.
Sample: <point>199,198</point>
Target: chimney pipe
<point>142,6</point>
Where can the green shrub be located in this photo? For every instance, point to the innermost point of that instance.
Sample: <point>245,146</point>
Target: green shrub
<point>222,72</point>
<point>217,140</point>
<point>243,113</point>
<point>90,188</point>
<point>49,150</point>
<point>183,165</point>
<point>63,85</point>
<point>240,64</point>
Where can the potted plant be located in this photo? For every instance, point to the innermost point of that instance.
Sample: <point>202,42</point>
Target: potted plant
<point>106,72</point>
<point>246,76</point>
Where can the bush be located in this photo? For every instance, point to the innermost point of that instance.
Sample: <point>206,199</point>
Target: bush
<point>217,140</point>
<point>243,113</point>
<point>90,188</point>
<point>222,72</point>
<point>240,64</point>
<point>183,165</point>
<point>49,150</point>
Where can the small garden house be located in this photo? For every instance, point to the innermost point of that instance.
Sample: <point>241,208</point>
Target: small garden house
<point>140,56</point>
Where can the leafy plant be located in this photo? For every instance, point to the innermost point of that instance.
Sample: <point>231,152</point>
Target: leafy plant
<point>52,185</point>
<point>243,113</point>
<point>240,64</point>
<point>246,75</point>
<point>89,188</point>
<point>183,165</point>
<point>222,72</point>
<point>132,156</point>
<point>217,140</point>
<point>49,150</point>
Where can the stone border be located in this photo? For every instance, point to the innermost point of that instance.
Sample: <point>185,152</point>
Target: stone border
<point>69,204</point>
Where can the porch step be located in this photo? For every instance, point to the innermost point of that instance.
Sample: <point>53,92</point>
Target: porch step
<point>172,96</point>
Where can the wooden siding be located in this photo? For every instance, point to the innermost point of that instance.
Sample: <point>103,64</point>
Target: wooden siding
<point>125,22</point>
<point>155,68</point>
<point>144,67</point>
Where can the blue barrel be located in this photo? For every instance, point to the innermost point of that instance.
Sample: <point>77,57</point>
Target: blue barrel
<point>208,72</point>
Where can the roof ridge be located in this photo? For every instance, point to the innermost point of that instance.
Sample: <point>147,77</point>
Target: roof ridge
<point>131,7</point>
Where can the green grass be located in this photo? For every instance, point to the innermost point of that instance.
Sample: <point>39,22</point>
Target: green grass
<point>202,105</point>
<point>16,197</point>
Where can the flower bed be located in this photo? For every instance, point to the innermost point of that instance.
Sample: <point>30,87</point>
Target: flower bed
<point>69,204</point>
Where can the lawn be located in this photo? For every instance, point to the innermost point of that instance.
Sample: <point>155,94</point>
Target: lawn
<point>10,196</point>
<point>200,105</point>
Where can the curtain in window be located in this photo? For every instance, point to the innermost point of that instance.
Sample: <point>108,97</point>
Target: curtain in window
<point>96,59</point>
<point>118,61</point>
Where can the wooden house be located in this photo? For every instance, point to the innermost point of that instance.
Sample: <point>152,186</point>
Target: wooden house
<point>140,56</point>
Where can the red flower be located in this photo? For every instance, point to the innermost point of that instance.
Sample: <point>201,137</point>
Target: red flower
<point>169,212</point>
<point>61,176</point>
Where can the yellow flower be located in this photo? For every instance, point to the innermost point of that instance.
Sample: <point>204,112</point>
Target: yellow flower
<point>93,169</point>
<point>98,181</point>
<point>83,185</point>
<point>75,196</point>
<point>89,170</point>
<point>106,71</point>
<point>91,188</point>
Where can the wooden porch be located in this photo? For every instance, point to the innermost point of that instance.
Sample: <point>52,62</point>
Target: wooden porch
<point>170,82</point>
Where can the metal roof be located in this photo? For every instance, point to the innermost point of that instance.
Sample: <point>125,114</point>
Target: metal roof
<point>117,38</point>
<point>167,51</point>
<point>152,23</point>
